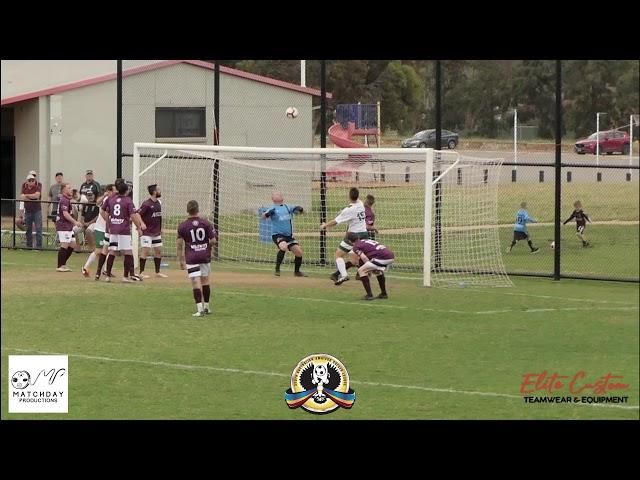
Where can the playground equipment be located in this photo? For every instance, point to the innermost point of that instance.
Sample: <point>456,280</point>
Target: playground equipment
<point>354,120</point>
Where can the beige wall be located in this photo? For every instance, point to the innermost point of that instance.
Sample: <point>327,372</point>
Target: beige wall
<point>88,134</point>
<point>76,130</point>
<point>251,113</point>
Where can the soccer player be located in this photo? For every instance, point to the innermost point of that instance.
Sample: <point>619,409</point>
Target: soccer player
<point>374,258</point>
<point>370,216</point>
<point>64,228</point>
<point>520,231</point>
<point>195,238</point>
<point>100,231</point>
<point>151,213</point>
<point>355,215</point>
<point>121,213</point>
<point>581,221</point>
<point>282,232</point>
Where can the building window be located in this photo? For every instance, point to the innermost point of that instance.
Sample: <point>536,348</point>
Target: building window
<point>178,122</point>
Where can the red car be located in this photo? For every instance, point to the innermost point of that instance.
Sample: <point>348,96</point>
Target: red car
<point>610,142</point>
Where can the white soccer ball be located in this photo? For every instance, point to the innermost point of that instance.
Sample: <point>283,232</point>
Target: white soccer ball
<point>553,245</point>
<point>292,112</point>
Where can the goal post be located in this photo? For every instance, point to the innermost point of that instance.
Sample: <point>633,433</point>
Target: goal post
<point>233,186</point>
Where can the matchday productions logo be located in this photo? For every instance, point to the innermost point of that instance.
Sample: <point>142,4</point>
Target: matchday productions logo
<point>578,388</point>
<point>320,384</point>
<point>38,383</point>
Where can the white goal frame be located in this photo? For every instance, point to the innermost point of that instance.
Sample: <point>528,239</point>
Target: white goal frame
<point>428,155</point>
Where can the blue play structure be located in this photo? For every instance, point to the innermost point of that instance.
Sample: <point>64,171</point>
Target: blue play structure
<point>364,117</point>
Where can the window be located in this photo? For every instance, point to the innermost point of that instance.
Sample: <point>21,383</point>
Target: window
<point>178,122</point>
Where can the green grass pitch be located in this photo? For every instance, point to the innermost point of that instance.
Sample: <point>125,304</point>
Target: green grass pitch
<point>135,352</point>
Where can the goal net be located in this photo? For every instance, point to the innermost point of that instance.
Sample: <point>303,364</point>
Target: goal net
<point>456,196</point>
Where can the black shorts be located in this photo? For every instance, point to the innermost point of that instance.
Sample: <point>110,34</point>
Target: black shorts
<point>580,228</point>
<point>284,238</point>
<point>519,236</point>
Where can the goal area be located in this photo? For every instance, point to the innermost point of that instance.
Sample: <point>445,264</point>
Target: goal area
<point>436,210</point>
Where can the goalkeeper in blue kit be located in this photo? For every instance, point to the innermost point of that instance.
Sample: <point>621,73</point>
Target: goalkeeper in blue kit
<point>520,231</point>
<point>281,215</point>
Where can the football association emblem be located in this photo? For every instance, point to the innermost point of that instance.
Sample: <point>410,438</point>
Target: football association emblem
<point>320,384</point>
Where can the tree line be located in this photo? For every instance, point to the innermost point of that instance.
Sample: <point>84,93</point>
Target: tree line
<point>479,96</point>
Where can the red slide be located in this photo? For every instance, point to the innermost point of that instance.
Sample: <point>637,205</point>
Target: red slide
<point>341,138</point>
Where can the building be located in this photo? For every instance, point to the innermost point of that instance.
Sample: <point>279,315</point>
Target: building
<point>61,115</point>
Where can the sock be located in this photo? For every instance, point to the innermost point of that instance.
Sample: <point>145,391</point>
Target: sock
<point>62,256</point>
<point>279,259</point>
<point>348,265</point>
<point>90,260</point>
<point>382,281</point>
<point>101,261</point>
<point>110,260</point>
<point>512,244</point>
<point>367,285</point>
<point>206,293</point>
<point>128,264</point>
<point>197,295</point>
<point>69,252</point>
<point>530,244</point>
<point>298,262</point>
<point>200,307</point>
<point>206,306</point>
<point>143,262</point>
<point>341,266</point>
<point>157,261</point>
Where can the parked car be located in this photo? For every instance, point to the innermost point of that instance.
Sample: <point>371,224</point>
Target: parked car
<point>610,141</point>
<point>427,139</point>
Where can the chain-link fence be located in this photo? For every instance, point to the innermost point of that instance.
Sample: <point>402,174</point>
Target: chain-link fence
<point>29,228</point>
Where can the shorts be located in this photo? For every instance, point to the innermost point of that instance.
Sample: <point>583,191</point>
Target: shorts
<point>378,264</point>
<point>101,239</point>
<point>119,242</point>
<point>147,242</point>
<point>345,244</point>
<point>580,229</point>
<point>199,270</point>
<point>66,236</point>
<point>284,238</point>
<point>519,236</point>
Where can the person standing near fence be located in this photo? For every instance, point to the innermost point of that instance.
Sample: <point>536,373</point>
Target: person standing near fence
<point>30,195</point>
<point>55,191</point>
<point>90,185</point>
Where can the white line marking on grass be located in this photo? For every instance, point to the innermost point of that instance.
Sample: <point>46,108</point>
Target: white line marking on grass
<point>276,374</point>
<point>400,307</point>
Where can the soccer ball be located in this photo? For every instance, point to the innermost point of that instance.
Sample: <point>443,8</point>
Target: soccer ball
<point>553,245</point>
<point>292,112</point>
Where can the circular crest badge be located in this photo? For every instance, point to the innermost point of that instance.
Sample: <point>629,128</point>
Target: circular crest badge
<point>320,384</point>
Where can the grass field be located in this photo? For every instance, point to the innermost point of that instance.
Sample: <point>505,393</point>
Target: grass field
<point>135,352</point>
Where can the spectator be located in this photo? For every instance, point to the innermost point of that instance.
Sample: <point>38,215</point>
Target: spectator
<point>90,184</point>
<point>30,195</point>
<point>54,194</point>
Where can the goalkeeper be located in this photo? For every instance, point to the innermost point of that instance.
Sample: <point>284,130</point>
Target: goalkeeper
<point>280,215</point>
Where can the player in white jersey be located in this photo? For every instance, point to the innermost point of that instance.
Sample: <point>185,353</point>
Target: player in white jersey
<point>102,237</point>
<point>354,215</point>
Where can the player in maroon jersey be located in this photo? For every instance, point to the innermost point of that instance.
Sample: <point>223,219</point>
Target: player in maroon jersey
<point>195,238</point>
<point>64,228</point>
<point>121,213</point>
<point>581,221</point>
<point>151,213</point>
<point>374,259</point>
